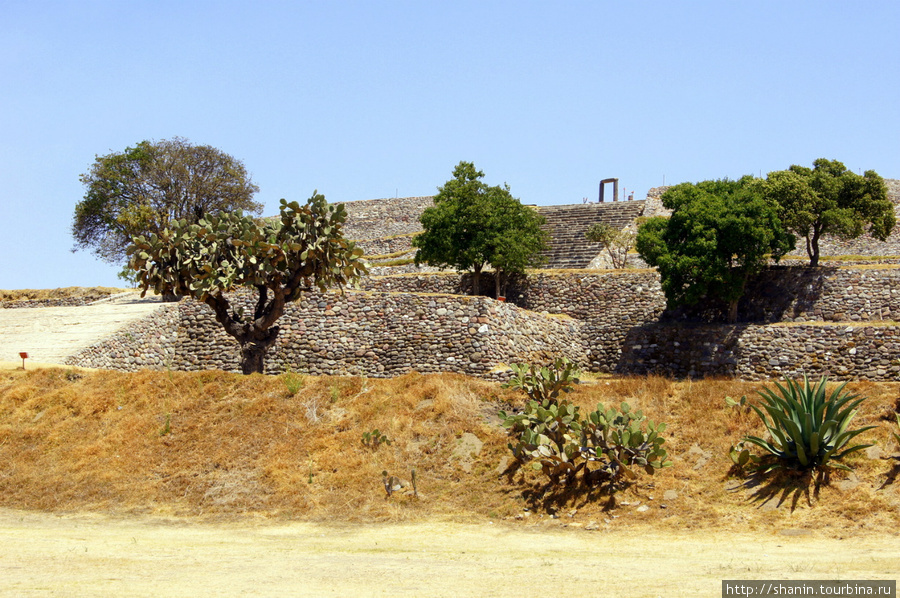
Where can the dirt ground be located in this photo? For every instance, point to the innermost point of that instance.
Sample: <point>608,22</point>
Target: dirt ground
<point>94,555</point>
<point>50,334</point>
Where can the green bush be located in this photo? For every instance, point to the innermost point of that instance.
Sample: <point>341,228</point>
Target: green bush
<point>550,434</point>
<point>618,441</point>
<point>293,382</point>
<point>808,428</point>
<point>544,383</point>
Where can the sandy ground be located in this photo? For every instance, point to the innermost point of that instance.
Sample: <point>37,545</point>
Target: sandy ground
<point>50,334</point>
<point>92,555</point>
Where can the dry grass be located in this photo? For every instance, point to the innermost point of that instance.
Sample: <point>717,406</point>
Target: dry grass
<point>62,293</point>
<point>223,445</point>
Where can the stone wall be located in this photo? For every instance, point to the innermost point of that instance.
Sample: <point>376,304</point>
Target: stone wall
<point>151,343</point>
<point>752,352</point>
<point>621,310</point>
<point>78,301</point>
<point>839,321</point>
<point>626,298</point>
<point>359,333</point>
<point>386,246</point>
<point>379,218</point>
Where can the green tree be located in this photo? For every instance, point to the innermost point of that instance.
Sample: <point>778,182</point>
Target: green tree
<point>720,233</point>
<point>519,240</point>
<point>828,199</point>
<point>144,188</point>
<point>302,250</point>
<point>473,225</point>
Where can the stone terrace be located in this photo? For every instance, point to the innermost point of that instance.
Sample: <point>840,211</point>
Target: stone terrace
<point>383,226</point>
<point>569,248</point>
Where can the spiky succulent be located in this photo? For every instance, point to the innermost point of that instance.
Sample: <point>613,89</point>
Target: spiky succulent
<point>808,428</point>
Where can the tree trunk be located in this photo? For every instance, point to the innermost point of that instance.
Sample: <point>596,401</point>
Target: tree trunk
<point>476,276</point>
<point>812,248</point>
<point>254,349</point>
<point>169,295</point>
<point>497,290</point>
<point>732,311</point>
<point>254,336</point>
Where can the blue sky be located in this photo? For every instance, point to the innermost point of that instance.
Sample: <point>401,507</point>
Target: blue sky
<point>364,100</point>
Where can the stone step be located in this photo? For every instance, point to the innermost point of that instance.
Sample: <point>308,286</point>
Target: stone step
<point>567,225</point>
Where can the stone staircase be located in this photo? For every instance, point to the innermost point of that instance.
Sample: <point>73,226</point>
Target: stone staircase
<point>568,224</point>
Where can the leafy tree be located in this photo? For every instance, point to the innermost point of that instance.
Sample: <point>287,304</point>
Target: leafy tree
<point>472,225</point>
<point>617,242</point>
<point>829,199</point>
<point>144,188</point>
<point>223,252</point>
<point>719,234</point>
<point>519,239</point>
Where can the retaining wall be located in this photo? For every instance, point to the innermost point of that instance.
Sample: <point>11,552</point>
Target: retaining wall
<point>752,352</point>
<point>835,321</point>
<point>374,334</point>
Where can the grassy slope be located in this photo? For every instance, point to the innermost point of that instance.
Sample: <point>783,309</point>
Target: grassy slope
<point>217,444</point>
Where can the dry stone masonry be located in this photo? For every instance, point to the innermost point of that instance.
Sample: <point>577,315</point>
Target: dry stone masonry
<point>357,333</point>
<point>839,321</point>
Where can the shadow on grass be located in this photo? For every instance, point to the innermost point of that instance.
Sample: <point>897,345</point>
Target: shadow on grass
<point>553,497</point>
<point>781,486</point>
<point>891,475</point>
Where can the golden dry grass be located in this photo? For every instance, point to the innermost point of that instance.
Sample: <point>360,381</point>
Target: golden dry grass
<point>224,445</point>
<point>61,293</point>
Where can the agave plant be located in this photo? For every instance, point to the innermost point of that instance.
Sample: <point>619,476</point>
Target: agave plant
<point>809,428</point>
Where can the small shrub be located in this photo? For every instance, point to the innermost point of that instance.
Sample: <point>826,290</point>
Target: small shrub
<point>616,242</point>
<point>897,436</point>
<point>544,383</point>
<point>742,457</point>
<point>808,429</point>
<point>549,434</point>
<point>619,441</point>
<point>167,426</point>
<point>375,438</point>
<point>293,382</point>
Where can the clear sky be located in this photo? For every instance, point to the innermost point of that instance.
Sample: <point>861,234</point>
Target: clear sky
<point>364,100</point>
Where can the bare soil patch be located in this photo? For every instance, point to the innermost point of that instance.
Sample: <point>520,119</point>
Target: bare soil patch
<point>83,555</point>
<point>50,334</point>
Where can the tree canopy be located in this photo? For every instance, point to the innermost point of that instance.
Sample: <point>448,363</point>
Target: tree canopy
<point>144,188</point>
<point>720,233</point>
<point>473,225</point>
<point>303,250</point>
<point>830,199</point>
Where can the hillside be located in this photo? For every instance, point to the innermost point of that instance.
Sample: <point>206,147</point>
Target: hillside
<point>219,445</point>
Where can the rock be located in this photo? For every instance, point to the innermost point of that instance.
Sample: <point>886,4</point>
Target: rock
<point>874,452</point>
<point>698,455</point>
<point>468,447</point>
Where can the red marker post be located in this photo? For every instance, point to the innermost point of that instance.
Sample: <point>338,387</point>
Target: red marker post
<point>24,356</point>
